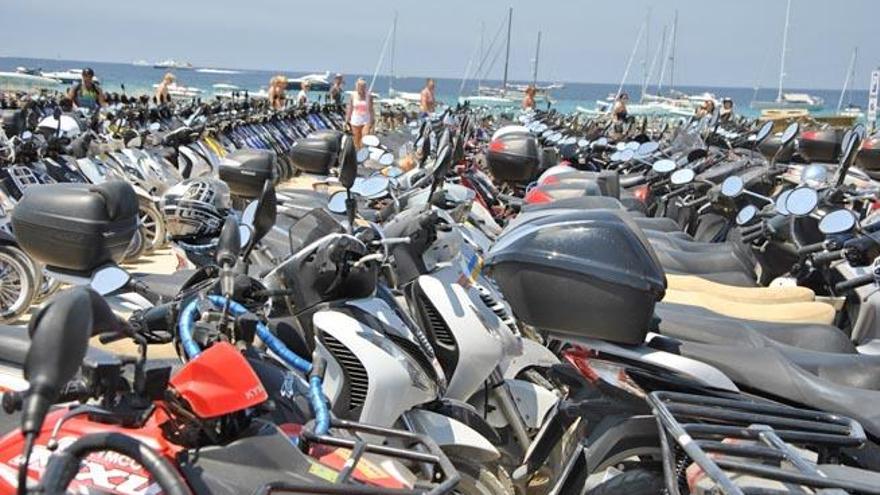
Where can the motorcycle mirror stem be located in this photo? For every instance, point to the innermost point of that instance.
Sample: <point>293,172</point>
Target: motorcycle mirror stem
<point>228,249</point>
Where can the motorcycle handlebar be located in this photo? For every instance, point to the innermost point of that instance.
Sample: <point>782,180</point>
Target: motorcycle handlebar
<point>828,257</point>
<point>811,248</point>
<point>854,282</point>
<point>753,236</point>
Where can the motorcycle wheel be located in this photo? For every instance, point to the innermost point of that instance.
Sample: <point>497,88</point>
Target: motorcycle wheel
<point>634,482</point>
<point>46,286</point>
<point>17,286</point>
<point>136,248</point>
<point>477,480</point>
<point>153,225</point>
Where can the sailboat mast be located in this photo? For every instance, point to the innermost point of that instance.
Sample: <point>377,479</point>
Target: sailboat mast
<point>537,57</point>
<point>672,51</point>
<point>507,55</point>
<point>393,46</point>
<point>849,76</point>
<point>645,69</point>
<point>784,49</point>
<point>659,53</point>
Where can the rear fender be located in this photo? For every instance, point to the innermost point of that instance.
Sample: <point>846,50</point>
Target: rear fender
<point>453,437</point>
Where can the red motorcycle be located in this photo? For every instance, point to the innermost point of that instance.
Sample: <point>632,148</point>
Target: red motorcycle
<point>204,429</point>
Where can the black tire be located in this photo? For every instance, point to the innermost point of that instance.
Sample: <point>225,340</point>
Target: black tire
<point>634,482</point>
<point>17,287</point>
<point>152,226</point>
<point>477,479</point>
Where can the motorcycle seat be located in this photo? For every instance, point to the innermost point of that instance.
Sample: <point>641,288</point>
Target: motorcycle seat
<point>795,312</point>
<point>753,295</point>
<point>165,285</point>
<point>682,243</point>
<point>722,267</point>
<point>697,324</point>
<point>768,371</point>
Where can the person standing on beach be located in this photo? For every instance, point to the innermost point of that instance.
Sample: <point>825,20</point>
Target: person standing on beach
<point>428,103</point>
<point>277,92</point>
<point>87,93</point>
<point>726,114</point>
<point>335,92</point>
<point>163,97</point>
<point>528,102</point>
<point>359,113</point>
<point>302,99</point>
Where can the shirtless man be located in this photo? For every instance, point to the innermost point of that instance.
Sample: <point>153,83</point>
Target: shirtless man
<point>427,104</point>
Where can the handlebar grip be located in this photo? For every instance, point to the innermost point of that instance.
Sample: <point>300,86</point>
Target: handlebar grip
<point>385,213</point>
<point>753,236</point>
<point>854,282</point>
<point>751,228</point>
<point>828,257</point>
<point>811,248</point>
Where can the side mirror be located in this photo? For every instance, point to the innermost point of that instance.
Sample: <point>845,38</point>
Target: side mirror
<point>732,186</point>
<point>229,243</point>
<point>746,215</point>
<point>781,200</point>
<point>154,127</point>
<point>648,148</point>
<point>372,187</point>
<point>109,279</point>
<point>363,155</point>
<point>663,166</point>
<point>838,222</point>
<point>370,140</point>
<point>682,177</point>
<point>347,162</point>
<point>336,204</point>
<point>763,132</point>
<point>789,133</point>
<point>266,212</point>
<point>802,201</point>
<point>60,337</point>
<point>386,159</point>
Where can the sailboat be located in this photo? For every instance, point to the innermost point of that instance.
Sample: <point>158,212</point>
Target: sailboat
<point>787,101</point>
<point>491,96</point>
<point>394,96</point>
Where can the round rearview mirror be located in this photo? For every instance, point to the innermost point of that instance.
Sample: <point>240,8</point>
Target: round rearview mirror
<point>245,233</point>
<point>789,133</point>
<point>682,177</point>
<point>615,157</point>
<point>746,215</point>
<point>620,146</point>
<point>837,222</point>
<point>363,155</point>
<point>393,172</point>
<point>764,131</point>
<point>633,145</point>
<point>663,166</point>
<point>249,213</point>
<point>648,148</point>
<point>569,141</point>
<point>386,159</point>
<point>583,143</point>
<point>602,141</point>
<point>732,186</point>
<point>109,279</point>
<point>154,127</point>
<point>370,140</point>
<point>627,155</point>
<point>802,201</point>
<point>336,204</point>
<point>779,204</point>
<point>372,187</point>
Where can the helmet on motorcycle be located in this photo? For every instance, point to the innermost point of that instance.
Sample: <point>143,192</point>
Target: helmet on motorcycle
<point>815,176</point>
<point>196,207</point>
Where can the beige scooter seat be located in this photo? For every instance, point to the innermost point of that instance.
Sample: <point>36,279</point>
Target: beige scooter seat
<point>752,295</point>
<point>793,312</point>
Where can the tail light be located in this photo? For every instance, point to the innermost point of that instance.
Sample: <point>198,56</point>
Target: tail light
<point>809,135</point>
<point>497,146</point>
<point>598,370</point>
<point>641,193</point>
<point>537,196</point>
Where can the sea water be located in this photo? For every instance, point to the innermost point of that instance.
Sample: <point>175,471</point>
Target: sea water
<point>140,79</point>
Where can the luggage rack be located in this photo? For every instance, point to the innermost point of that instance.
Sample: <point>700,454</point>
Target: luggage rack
<point>445,476</point>
<point>759,441</point>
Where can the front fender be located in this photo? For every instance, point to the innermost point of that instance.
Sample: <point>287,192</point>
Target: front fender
<point>453,437</point>
<point>534,355</point>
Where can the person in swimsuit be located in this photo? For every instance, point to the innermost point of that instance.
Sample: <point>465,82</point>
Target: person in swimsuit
<point>87,93</point>
<point>278,92</point>
<point>302,99</point>
<point>335,92</point>
<point>428,103</point>
<point>726,114</point>
<point>706,109</point>
<point>162,95</point>
<point>528,102</point>
<point>619,111</point>
<point>359,113</point>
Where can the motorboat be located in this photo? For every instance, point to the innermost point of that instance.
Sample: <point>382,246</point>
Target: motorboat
<point>317,82</point>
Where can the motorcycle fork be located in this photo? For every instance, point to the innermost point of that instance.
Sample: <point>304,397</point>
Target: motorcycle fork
<point>505,401</point>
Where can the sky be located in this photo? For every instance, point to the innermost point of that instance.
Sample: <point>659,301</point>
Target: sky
<point>719,42</point>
